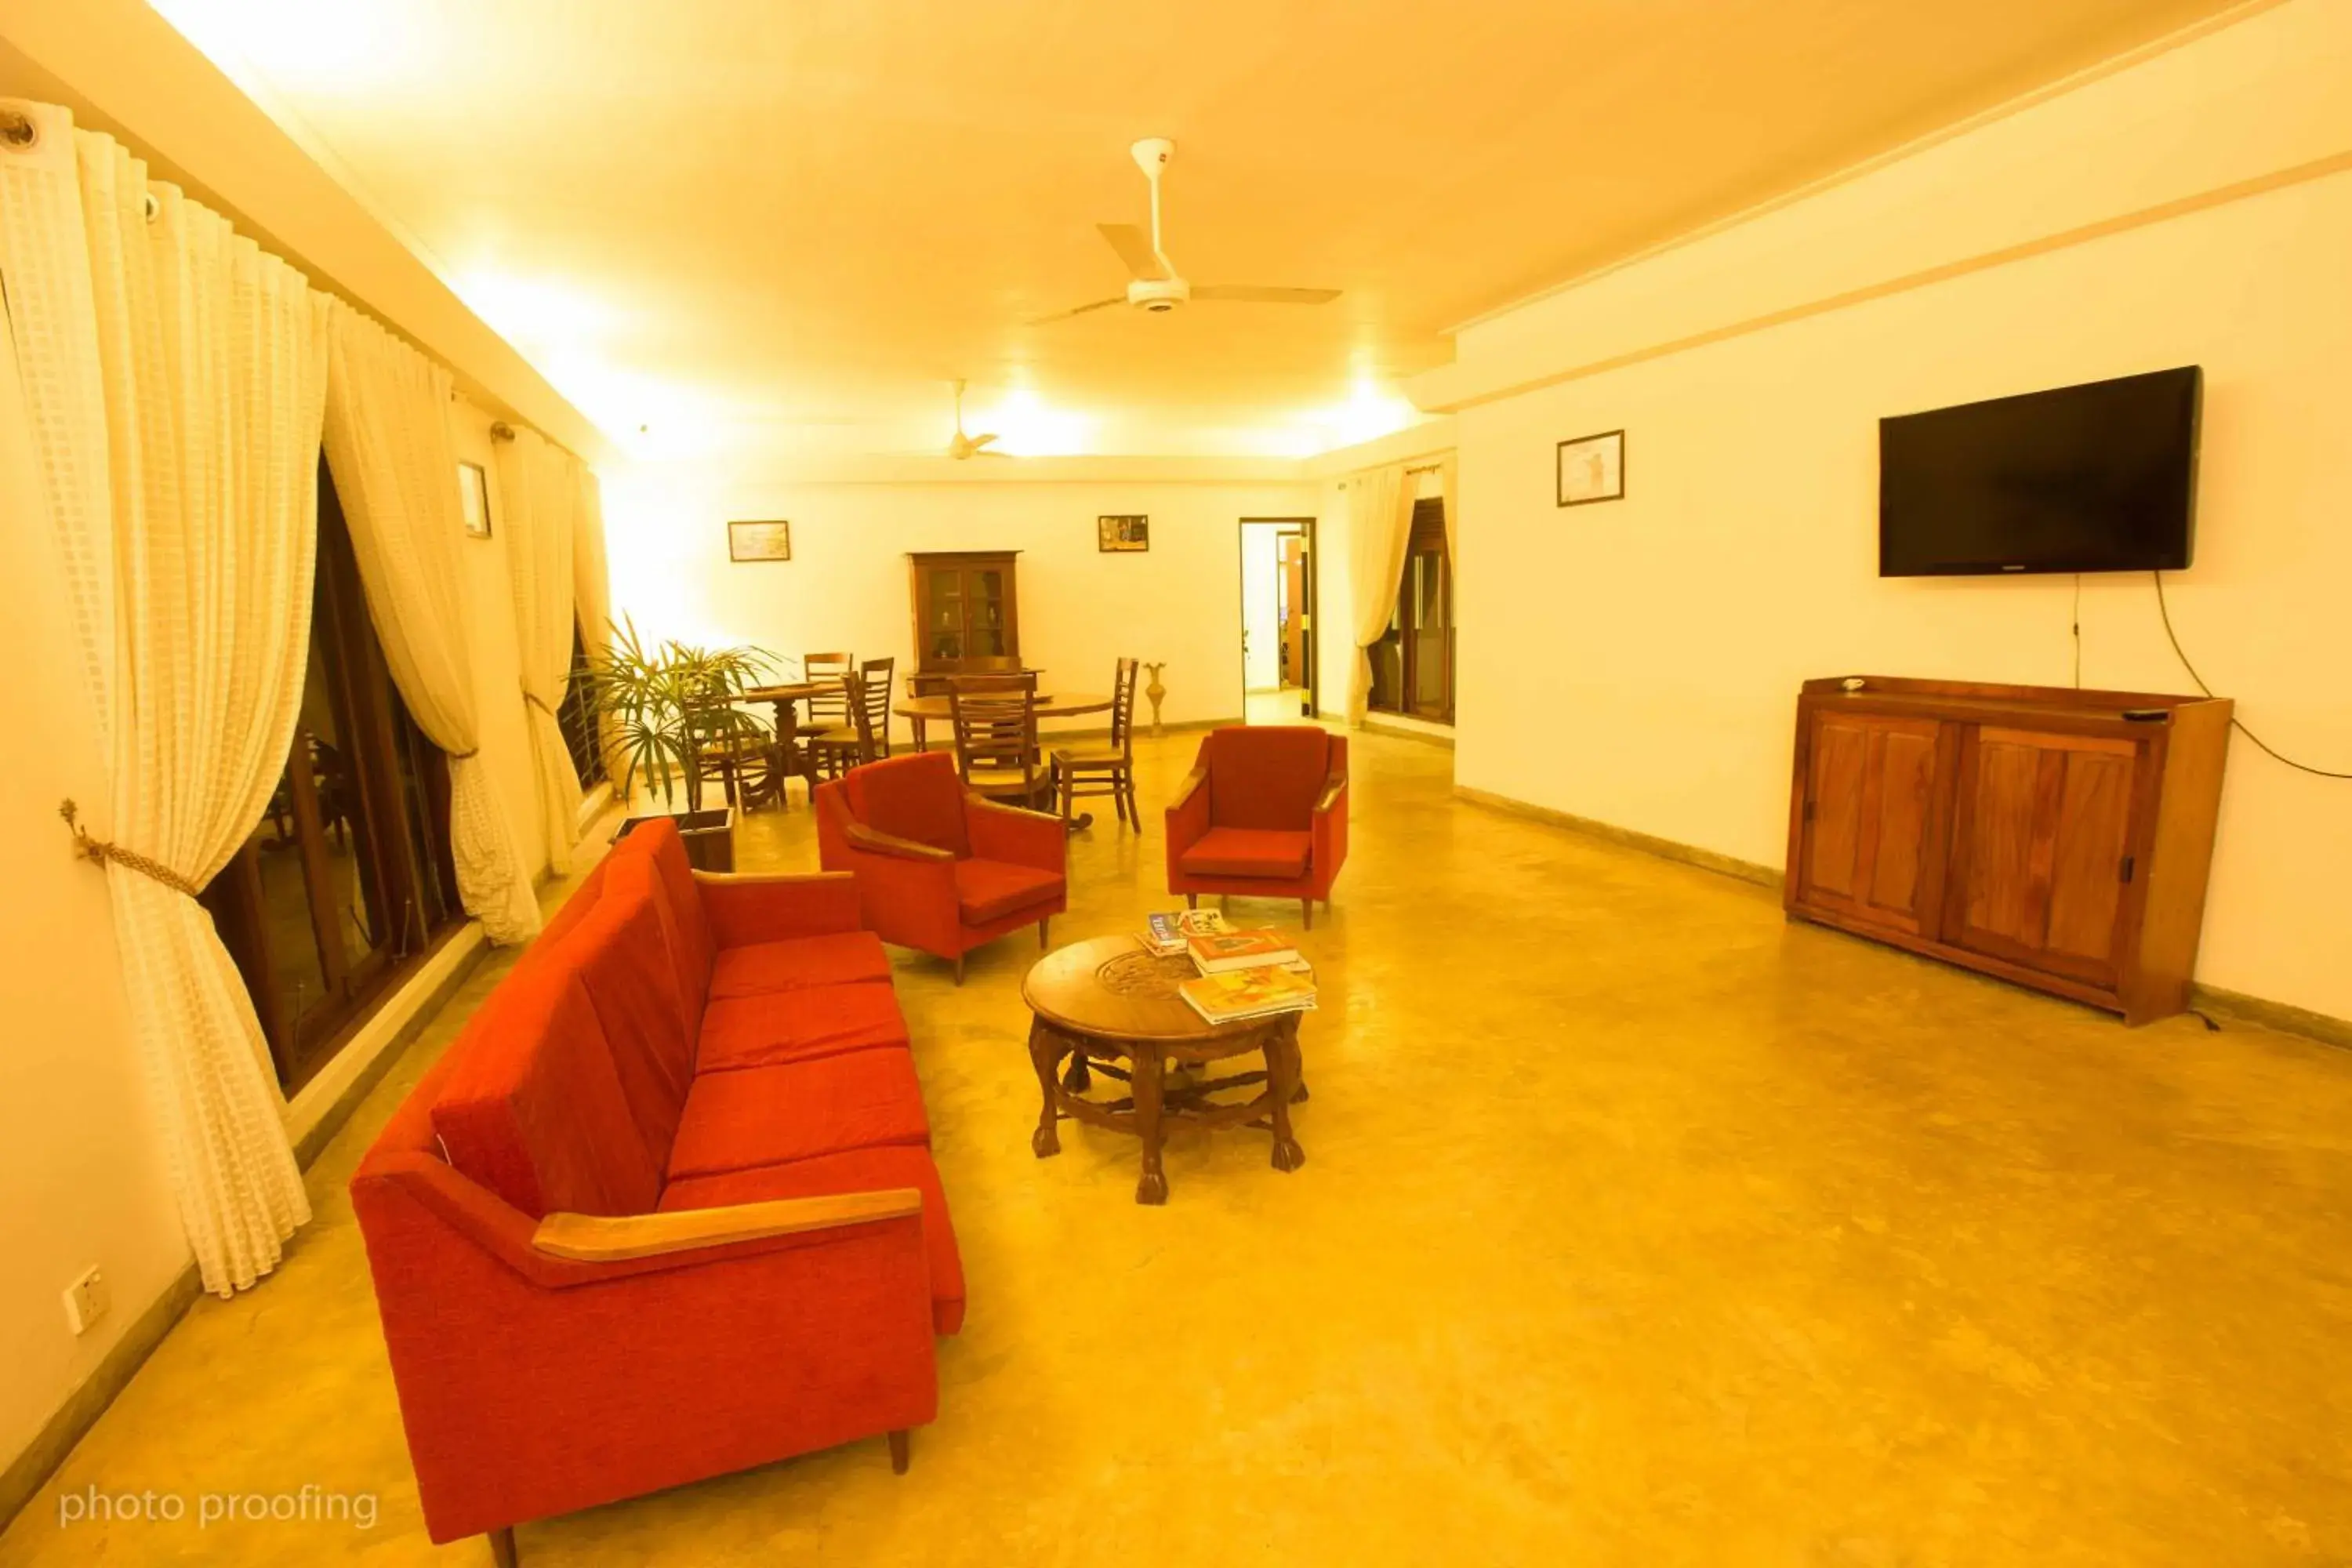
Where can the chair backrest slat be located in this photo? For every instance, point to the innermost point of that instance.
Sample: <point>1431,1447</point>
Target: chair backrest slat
<point>1122,708</point>
<point>996,731</point>
<point>829,706</point>
<point>870,703</point>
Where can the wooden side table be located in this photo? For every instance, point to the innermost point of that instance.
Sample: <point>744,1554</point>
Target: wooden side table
<point>1110,1006</point>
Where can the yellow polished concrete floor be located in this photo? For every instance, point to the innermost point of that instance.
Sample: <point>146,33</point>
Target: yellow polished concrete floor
<point>1636,1227</point>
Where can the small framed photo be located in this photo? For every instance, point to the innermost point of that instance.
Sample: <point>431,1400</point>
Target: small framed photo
<point>759,541</point>
<point>474,496</point>
<point>1591,468</point>
<point>1122,533</point>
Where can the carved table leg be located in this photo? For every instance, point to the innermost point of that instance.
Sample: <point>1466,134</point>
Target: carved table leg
<point>1043,1049</point>
<point>1147,1065</point>
<point>1076,1077</point>
<point>1283,1062</point>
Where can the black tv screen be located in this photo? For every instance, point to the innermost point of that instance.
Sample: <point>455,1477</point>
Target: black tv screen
<point>2097,477</point>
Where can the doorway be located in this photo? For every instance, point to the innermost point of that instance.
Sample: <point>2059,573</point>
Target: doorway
<point>1279,667</point>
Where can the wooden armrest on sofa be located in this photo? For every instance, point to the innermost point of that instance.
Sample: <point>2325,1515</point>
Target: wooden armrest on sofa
<point>1332,788</point>
<point>770,879</point>
<point>1192,781</point>
<point>614,1239</point>
<point>861,836</point>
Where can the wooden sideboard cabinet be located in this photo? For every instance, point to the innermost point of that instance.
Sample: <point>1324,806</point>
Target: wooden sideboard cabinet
<point>967,613</point>
<point>2054,838</point>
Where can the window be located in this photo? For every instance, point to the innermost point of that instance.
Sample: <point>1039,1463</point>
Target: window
<point>347,880</point>
<point>1412,665</point>
<point>576,716</point>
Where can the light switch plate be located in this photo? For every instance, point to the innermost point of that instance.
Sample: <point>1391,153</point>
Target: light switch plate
<point>87,1300</point>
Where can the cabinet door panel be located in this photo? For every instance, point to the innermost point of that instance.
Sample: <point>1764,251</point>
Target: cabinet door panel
<point>1872,835</point>
<point>2044,823</point>
<point>1840,750</point>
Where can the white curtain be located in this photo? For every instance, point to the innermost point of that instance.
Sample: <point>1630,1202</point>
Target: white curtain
<point>539,484</point>
<point>1379,527</point>
<point>174,376</point>
<point>395,471</point>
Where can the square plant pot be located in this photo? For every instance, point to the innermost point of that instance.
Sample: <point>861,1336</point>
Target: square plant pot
<point>710,836</point>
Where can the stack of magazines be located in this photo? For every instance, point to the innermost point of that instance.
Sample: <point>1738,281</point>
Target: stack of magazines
<point>1242,975</point>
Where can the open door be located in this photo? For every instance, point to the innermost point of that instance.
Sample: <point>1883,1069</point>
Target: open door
<point>1279,662</point>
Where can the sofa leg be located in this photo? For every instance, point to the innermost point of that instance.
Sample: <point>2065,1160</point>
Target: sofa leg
<point>1192,901</point>
<point>958,969</point>
<point>898,1454</point>
<point>502,1547</point>
<point>1306,912</point>
<point>1043,927</point>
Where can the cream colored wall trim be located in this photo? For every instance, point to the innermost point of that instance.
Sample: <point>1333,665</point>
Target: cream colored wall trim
<point>2162,212</point>
<point>1664,848</point>
<point>2279,1015</point>
<point>326,1101</point>
<point>1426,734</point>
<point>2113,64</point>
<point>27,1473</point>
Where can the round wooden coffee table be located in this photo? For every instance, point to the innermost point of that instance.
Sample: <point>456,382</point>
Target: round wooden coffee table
<point>1108,1001</point>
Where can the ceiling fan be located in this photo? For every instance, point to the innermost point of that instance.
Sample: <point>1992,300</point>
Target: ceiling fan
<point>961,446</point>
<point>1158,287</point>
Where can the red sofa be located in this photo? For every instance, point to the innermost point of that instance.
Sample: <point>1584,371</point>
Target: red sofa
<point>1264,814</point>
<point>938,867</point>
<point>666,1207</point>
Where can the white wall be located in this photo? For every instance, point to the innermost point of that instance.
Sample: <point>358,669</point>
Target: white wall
<point>82,1179</point>
<point>846,584</point>
<point>496,647</point>
<point>1262,627</point>
<point>2167,214</point>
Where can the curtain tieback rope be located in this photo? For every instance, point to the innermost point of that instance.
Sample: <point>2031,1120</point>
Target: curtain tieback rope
<point>98,852</point>
<point>464,756</point>
<point>535,702</point>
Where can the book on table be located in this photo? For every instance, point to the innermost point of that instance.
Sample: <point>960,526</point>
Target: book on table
<point>1164,933</point>
<point>1238,995</point>
<point>1223,953</point>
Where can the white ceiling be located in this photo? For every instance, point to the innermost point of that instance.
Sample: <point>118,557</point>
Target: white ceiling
<point>762,228</point>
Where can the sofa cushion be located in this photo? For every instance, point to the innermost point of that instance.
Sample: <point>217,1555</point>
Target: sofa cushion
<point>1248,852</point>
<point>621,953</point>
<point>1267,775</point>
<point>767,1116</point>
<point>918,797</point>
<point>533,1109</point>
<point>657,844</point>
<point>798,1026</point>
<point>991,889</point>
<point>854,1170</point>
<point>838,958</point>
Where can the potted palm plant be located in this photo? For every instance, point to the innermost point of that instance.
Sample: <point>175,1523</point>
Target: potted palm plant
<point>674,710</point>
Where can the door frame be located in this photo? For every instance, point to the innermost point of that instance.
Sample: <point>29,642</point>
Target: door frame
<point>1311,608</point>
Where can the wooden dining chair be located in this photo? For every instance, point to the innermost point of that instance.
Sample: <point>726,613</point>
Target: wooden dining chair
<point>1106,767</point>
<point>866,737</point>
<point>996,740</point>
<point>828,707</point>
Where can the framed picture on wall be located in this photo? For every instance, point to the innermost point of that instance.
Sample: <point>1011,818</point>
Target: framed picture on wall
<point>1122,533</point>
<point>474,496</point>
<point>1591,468</point>
<point>759,541</point>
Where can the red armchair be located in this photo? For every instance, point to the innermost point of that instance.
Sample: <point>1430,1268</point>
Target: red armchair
<point>938,867</point>
<point>1264,814</point>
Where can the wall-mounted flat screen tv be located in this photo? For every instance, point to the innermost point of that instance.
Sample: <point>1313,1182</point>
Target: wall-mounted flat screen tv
<point>2097,478</point>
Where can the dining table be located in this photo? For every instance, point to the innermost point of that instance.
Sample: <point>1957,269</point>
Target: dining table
<point>922,712</point>
<point>791,758</point>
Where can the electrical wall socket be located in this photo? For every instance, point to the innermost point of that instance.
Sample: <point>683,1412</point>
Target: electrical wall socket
<point>87,1300</point>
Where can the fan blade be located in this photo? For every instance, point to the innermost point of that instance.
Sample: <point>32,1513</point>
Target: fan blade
<point>1064,315</point>
<point>977,442</point>
<point>1251,294</point>
<point>1134,248</point>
